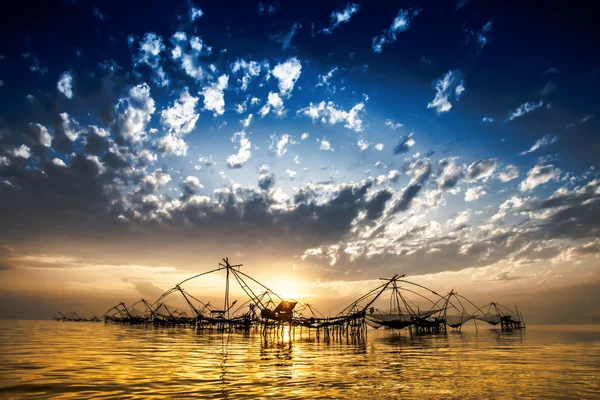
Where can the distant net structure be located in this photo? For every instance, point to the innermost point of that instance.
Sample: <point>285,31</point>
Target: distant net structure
<point>73,317</point>
<point>407,305</point>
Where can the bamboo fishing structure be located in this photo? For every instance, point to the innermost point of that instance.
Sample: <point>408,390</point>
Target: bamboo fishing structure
<point>412,306</point>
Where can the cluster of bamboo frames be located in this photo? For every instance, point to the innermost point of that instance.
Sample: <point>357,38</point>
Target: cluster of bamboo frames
<point>411,306</point>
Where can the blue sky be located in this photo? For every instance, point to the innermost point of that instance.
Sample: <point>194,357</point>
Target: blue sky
<point>334,142</point>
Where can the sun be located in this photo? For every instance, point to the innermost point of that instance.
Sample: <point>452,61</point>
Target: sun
<point>287,288</point>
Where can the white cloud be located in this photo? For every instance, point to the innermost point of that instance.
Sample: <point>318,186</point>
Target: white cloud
<point>324,80</point>
<point>43,135</point>
<point>474,193</point>
<point>524,109</point>
<point>329,113</point>
<point>279,144</point>
<point>249,70</point>
<point>362,144</point>
<point>339,17</point>
<point>214,98</point>
<point>65,84</point>
<point>173,144</point>
<point>134,113</point>
<point>195,13</point>
<point>393,125</point>
<point>304,136</point>
<point>275,103</point>
<point>544,141</point>
<point>287,74</point>
<point>22,151</point>
<point>69,126</point>
<point>157,178</point>
<point>460,219</point>
<point>192,183</point>
<point>149,53</point>
<point>181,118</point>
<point>487,120</point>
<point>188,54</point>
<point>247,121</point>
<point>399,24</point>
<point>204,162</point>
<point>510,172</point>
<point>241,107</point>
<point>297,159</point>
<point>144,154</point>
<point>445,86</point>
<point>539,175</point>
<point>379,146</point>
<point>291,174</point>
<point>58,162</point>
<point>325,145</point>
<point>419,171</point>
<point>244,153</point>
<point>99,164</point>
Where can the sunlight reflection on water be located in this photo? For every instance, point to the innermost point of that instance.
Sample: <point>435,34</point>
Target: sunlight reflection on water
<point>43,359</point>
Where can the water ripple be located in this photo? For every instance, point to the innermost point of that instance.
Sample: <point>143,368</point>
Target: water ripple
<point>47,359</point>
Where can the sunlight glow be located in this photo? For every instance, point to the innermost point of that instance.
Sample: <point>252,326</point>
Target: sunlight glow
<point>288,289</point>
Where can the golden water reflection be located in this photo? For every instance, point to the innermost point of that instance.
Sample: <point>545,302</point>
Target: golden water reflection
<point>48,359</point>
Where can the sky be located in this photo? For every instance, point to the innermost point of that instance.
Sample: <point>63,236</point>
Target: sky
<point>324,146</point>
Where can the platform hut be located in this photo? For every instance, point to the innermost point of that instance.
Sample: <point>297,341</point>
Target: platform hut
<point>495,313</point>
<point>262,307</point>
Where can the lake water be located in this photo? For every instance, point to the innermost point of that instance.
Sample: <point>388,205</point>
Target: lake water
<point>48,359</point>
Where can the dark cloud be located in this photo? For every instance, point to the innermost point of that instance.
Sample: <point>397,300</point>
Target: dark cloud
<point>66,130</point>
<point>481,169</point>
<point>405,200</point>
<point>405,144</point>
<point>266,181</point>
<point>449,174</point>
<point>576,213</point>
<point>576,222</point>
<point>189,188</point>
<point>505,276</point>
<point>37,137</point>
<point>376,206</point>
<point>97,141</point>
<point>589,248</point>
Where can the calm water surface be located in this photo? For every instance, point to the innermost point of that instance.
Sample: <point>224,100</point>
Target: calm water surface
<point>48,359</point>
